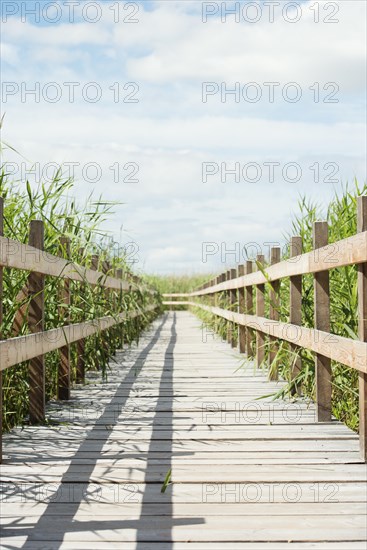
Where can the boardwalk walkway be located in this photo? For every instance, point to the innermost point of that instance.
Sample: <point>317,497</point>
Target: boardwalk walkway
<point>246,473</point>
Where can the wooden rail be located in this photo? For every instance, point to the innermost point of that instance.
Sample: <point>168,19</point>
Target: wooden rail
<point>326,346</point>
<point>33,347</point>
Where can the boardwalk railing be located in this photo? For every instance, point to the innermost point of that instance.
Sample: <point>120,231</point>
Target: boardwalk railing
<point>238,285</point>
<point>32,347</point>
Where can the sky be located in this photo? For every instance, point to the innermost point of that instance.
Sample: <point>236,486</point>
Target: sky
<point>206,121</point>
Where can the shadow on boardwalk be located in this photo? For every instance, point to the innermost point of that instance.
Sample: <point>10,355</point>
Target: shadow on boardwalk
<point>42,530</point>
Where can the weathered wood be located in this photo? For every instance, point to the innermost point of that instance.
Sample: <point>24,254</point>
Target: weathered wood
<point>362,327</point>
<point>120,328</point>
<point>322,322</point>
<point>338,348</point>
<point>80,345</point>
<point>233,300</point>
<point>249,310</point>
<point>97,483</point>
<point>175,302</point>
<point>242,331</point>
<point>21,315</point>
<point>295,309</point>
<point>228,296</point>
<point>36,284</point>
<point>274,315</point>
<point>260,312</point>
<point>17,350</point>
<point>97,545</point>
<point>64,371</point>
<point>350,251</point>
<point>13,255</point>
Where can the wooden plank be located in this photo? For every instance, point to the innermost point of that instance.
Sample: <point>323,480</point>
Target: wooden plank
<point>36,285</point>
<point>17,542</point>
<point>175,303</point>
<point>260,311</point>
<point>350,251</point>
<point>274,315</point>
<point>242,331</point>
<point>295,310</point>
<point>362,327</point>
<point>241,510</point>
<point>17,350</point>
<point>322,322</point>
<point>185,473</point>
<point>64,370</point>
<point>109,493</point>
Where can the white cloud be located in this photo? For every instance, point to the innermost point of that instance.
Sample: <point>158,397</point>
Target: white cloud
<point>9,53</point>
<point>170,132</point>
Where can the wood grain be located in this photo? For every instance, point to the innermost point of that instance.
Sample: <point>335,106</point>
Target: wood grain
<point>274,314</point>
<point>242,331</point>
<point>64,370</point>
<point>362,327</point>
<point>350,251</point>
<point>246,473</point>
<point>36,315</point>
<point>322,322</point>
<point>295,309</point>
<point>260,312</point>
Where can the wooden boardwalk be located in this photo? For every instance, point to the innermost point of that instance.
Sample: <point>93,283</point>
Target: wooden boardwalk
<point>246,473</point>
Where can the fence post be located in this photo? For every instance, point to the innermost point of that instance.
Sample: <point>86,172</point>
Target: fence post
<point>64,382</point>
<point>233,300</point>
<point>36,287</point>
<point>260,312</point>
<point>119,328</point>
<point>217,280</point>
<point>1,322</point>
<point>322,322</point>
<point>249,309</point>
<point>94,262</point>
<point>362,326</point>
<point>80,345</point>
<point>274,315</point>
<point>224,294</point>
<point>228,305</point>
<point>295,310</point>
<point>242,332</point>
<point>216,295</point>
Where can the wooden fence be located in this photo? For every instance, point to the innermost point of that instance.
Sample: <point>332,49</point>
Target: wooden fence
<point>238,284</point>
<point>32,347</point>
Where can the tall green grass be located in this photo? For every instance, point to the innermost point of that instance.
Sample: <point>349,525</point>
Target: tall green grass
<point>170,284</point>
<point>63,216</point>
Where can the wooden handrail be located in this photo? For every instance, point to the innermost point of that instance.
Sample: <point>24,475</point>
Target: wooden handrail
<point>326,346</point>
<point>34,346</point>
<point>24,257</point>
<point>352,353</point>
<point>23,348</point>
<point>350,251</point>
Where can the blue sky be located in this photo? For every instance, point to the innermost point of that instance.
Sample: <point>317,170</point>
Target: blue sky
<point>169,132</point>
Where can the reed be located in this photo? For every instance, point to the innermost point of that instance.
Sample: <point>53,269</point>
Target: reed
<point>82,225</point>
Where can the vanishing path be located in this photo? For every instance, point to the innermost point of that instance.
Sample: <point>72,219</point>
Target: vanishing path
<point>246,473</point>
